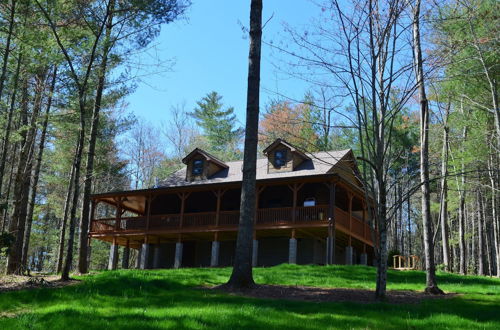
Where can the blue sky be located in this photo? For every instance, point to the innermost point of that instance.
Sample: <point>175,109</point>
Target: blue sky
<point>210,52</point>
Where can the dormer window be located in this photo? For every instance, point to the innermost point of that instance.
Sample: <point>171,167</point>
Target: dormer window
<point>280,158</point>
<point>197,167</point>
<point>283,157</point>
<point>200,165</point>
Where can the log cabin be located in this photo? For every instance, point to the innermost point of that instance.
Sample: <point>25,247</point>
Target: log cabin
<point>311,209</point>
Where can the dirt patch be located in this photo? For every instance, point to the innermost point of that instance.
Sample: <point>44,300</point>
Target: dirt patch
<point>304,293</point>
<point>16,282</point>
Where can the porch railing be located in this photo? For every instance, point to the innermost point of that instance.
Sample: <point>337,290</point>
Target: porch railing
<point>270,216</point>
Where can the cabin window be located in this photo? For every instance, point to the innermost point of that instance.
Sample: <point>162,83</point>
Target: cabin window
<point>197,167</point>
<point>280,158</point>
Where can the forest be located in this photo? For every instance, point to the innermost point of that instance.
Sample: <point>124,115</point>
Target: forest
<point>410,86</point>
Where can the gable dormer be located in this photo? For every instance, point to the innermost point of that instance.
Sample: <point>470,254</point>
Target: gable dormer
<point>283,157</point>
<point>201,165</point>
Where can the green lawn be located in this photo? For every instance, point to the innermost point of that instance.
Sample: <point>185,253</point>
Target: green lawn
<point>159,299</point>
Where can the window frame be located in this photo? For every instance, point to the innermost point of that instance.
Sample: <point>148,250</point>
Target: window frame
<point>196,167</point>
<point>280,161</point>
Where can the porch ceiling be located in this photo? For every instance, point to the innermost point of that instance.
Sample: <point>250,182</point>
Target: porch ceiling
<point>133,203</point>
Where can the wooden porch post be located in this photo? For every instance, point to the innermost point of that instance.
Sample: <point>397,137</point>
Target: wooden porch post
<point>183,196</point>
<point>113,254</point>
<point>126,255</point>
<point>258,190</point>
<point>149,199</point>
<point>295,189</point>
<point>217,210</point>
<point>292,249</point>
<point>118,215</point>
<point>93,205</point>
<point>350,195</point>
<point>331,226</point>
<point>364,220</point>
<point>218,194</point>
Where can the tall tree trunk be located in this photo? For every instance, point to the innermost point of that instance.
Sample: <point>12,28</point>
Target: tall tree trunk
<point>89,170</point>
<point>395,240</point>
<point>487,236</point>
<point>77,161</point>
<point>444,194</point>
<point>494,211</point>
<point>68,261</point>
<point>408,203</point>
<point>461,208</point>
<point>23,180</point>
<point>6,139</point>
<point>400,216</point>
<point>241,277</point>
<point>36,174</point>
<point>62,232</point>
<point>381,281</point>
<point>14,258</point>
<point>431,283</point>
<point>480,235</point>
<point>81,83</point>
<point>472,246</point>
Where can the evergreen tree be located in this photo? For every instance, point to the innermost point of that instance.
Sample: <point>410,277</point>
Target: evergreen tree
<point>218,124</point>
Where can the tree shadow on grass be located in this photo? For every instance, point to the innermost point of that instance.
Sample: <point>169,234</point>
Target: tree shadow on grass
<point>363,277</point>
<point>149,300</point>
<point>193,308</point>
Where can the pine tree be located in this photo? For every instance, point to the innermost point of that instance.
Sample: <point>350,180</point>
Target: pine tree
<point>218,124</point>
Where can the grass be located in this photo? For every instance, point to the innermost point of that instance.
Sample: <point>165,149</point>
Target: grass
<point>158,299</point>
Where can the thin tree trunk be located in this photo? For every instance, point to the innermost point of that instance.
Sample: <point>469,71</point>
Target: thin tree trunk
<point>68,261</point>
<point>393,228</point>
<point>82,87</point>
<point>381,281</point>
<point>496,240</point>
<point>241,277</point>
<point>400,217</point>
<point>472,245</point>
<point>480,236</point>
<point>487,234</point>
<point>14,258</point>
<point>36,173</point>
<point>89,170</point>
<point>27,154</point>
<point>461,209</point>
<point>62,233</point>
<point>8,128</point>
<point>409,225</point>
<point>431,282</point>
<point>444,195</point>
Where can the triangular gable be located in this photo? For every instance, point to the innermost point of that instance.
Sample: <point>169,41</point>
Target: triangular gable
<point>200,165</point>
<point>206,155</point>
<point>283,157</point>
<point>347,168</point>
<point>290,146</point>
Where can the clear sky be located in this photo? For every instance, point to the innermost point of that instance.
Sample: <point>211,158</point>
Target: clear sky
<point>210,53</point>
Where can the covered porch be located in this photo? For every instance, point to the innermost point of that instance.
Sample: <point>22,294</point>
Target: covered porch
<point>311,216</point>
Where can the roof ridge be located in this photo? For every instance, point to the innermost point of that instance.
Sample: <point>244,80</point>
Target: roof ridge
<point>309,153</point>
